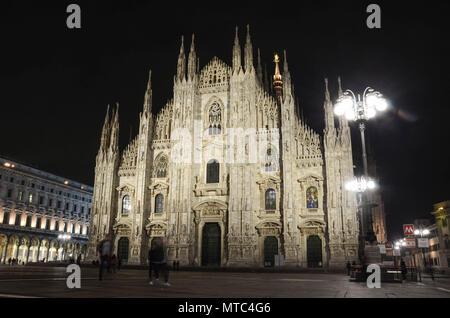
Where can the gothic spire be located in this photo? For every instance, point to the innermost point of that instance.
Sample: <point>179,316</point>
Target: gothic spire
<point>236,53</point>
<point>181,67</point>
<point>266,79</point>
<point>114,143</point>
<point>259,69</point>
<point>328,107</point>
<point>105,131</point>
<point>248,53</point>
<point>192,60</point>
<point>287,87</point>
<point>343,123</point>
<point>148,95</point>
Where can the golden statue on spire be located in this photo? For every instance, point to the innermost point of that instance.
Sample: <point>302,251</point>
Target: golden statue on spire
<point>277,78</point>
<point>277,58</point>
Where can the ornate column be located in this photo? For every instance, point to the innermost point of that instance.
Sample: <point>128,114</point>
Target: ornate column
<point>17,252</point>
<point>28,251</point>
<point>39,250</point>
<point>6,250</point>
<point>48,252</point>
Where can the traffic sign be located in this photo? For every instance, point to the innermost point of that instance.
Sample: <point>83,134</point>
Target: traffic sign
<point>388,244</point>
<point>423,243</point>
<point>408,229</point>
<point>410,242</point>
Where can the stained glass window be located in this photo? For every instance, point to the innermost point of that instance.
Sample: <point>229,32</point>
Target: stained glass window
<point>215,119</point>
<point>126,205</point>
<point>312,198</point>
<point>271,200</point>
<point>159,203</point>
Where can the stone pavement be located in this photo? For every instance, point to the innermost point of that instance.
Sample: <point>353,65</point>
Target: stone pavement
<point>35,281</point>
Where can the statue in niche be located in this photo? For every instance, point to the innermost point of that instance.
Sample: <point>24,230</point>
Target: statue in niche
<point>233,230</point>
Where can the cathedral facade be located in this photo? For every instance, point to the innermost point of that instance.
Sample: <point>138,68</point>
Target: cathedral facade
<point>228,172</point>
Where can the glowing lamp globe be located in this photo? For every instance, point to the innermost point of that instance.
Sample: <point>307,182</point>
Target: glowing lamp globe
<point>371,185</point>
<point>381,104</point>
<point>371,112</point>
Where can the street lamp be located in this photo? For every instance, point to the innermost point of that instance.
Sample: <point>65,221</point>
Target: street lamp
<point>361,111</point>
<point>422,232</point>
<point>360,184</point>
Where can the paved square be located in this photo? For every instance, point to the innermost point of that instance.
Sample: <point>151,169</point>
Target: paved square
<point>34,281</point>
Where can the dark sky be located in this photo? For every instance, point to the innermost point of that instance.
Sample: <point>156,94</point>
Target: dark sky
<point>55,82</point>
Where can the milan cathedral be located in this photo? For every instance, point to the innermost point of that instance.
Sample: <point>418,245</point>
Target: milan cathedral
<point>228,172</point>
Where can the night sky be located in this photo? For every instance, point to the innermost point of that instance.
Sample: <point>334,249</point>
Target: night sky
<point>56,82</point>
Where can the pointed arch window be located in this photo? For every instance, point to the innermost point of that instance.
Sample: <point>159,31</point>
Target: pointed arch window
<point>159,203</point>
<point>212,171</point>
<point>160,170</point>
<point>126,205</point>
<point>215,119</point>
<point>271,200</point>
<point>312,198</point>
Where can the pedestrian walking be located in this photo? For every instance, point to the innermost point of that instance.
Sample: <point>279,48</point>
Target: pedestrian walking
<point>104,249</point>
<point>403,269</point>
<point>349,267</point>
<point>157,258</point>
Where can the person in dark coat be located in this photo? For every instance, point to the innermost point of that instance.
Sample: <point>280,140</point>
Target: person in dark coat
<point>403,269</point>
<point>349,267</point>
<point>158,262</point>
<point>104,248</point>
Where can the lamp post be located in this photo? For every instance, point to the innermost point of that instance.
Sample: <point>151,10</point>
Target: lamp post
<point>361,111</point>
<point>422,232</point>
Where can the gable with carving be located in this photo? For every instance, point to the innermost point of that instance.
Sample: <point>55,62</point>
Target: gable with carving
<point>309,152</point>
<point>267,110</point>
<point>215,76</point>
<point>129,159</point>
<point>163,122</point>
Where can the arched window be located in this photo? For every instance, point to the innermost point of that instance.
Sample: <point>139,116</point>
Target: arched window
<point>215,119</point>
<point>271,200</point>
<point>212,171</point>
<point>126,205</point>
<point>160,168</point>
<point>159,203</point>
<point>312,198</point>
